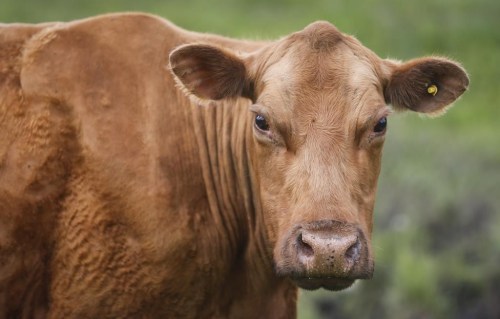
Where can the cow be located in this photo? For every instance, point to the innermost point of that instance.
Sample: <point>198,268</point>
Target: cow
<point>147,171</point>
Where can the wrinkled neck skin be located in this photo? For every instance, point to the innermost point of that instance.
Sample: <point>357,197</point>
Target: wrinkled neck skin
<point>224,136</point>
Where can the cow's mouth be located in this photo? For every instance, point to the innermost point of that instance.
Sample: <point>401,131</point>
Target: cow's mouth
<point>329,283</point>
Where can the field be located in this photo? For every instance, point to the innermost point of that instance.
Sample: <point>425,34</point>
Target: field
<point>437,217</point>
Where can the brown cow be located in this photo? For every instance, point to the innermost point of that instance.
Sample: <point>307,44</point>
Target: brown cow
<point>120,197</point>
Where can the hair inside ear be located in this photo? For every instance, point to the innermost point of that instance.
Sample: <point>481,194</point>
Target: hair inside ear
<point>426,85</point>
<point>210,72</point>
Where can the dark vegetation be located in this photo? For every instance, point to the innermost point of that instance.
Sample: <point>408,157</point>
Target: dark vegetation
<point>437,218</point>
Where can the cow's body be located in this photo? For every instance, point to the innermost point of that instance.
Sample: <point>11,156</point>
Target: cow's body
<point>103,184</point>
<point>120,198</point>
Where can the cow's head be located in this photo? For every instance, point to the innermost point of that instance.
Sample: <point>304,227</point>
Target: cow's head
<point>319,120</point>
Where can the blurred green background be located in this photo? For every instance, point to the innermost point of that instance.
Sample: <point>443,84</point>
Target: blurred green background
<point>437,217</point>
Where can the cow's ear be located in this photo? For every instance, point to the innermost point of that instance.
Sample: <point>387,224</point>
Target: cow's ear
<point>425,85</point>
<point>210,73</point>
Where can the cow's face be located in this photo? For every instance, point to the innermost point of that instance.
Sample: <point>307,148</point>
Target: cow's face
<point>319,122</point>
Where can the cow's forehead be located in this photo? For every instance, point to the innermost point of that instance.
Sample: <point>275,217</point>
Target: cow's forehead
<point>320,69</point>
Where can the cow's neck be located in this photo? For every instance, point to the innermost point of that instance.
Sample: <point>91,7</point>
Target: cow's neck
<point>224,133</point>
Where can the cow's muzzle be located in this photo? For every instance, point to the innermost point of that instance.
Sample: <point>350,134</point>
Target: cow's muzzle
<point>327,253</point>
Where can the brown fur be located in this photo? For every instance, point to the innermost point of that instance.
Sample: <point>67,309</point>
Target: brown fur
<point>122,198</point>
<point>408,85</point>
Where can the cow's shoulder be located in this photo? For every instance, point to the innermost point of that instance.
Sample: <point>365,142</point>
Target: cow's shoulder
<point>83,53</point>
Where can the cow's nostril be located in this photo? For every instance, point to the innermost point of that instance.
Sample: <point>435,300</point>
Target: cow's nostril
<point>327,252</point>
<point>352,253</point>
<point>303,247</point>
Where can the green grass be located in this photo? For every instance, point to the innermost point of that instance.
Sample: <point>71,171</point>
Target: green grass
<point>437,219</point>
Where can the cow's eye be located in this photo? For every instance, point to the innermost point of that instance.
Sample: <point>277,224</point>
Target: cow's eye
<point>381,126</point>
<point>261,123</point>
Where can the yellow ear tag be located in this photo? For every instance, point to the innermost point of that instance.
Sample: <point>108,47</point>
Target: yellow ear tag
<point>432,90</point>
